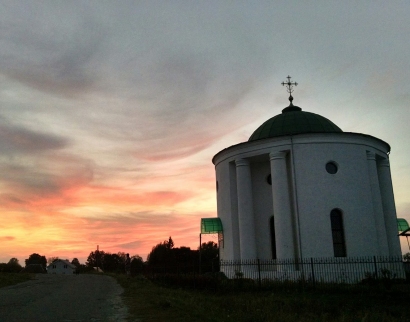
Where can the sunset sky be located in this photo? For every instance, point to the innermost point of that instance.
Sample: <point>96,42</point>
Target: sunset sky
<point>111,111</point>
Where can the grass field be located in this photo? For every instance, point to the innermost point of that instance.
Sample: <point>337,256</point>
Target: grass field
<point>149,302</point>
<point>7,279</point>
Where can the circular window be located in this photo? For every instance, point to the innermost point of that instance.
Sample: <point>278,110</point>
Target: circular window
<point>269,179</point>
<point>331,167</point>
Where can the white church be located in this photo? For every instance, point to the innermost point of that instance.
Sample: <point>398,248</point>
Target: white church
<point>300,187</point>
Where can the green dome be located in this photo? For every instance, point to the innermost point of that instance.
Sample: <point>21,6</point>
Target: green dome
<point>294,121</point>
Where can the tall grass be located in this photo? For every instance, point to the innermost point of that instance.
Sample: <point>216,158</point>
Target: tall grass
<point>151,302</point>
<point>7,279</point>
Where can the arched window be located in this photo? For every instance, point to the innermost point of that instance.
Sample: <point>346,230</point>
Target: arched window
<point>339,245</point>
<point>269,179</point>
<point>272,237</point>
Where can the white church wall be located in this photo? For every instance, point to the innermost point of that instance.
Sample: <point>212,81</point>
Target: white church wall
<point>317,191</point>
<point>348,190</point>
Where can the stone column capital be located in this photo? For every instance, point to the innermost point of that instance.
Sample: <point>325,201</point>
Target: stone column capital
<point>370,155</point>
<point>383,163</point>
<point>277,155</point>
<point>242,162</point>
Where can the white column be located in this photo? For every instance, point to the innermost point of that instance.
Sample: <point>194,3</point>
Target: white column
<point>383,247</point>
<point>282,212</point>
<point>247,241</point>
<point>389,207</point>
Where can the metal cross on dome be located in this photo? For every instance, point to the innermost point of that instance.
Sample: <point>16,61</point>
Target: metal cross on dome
<point>289,86</point>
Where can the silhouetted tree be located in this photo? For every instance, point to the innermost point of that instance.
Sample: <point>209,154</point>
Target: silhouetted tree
<point>12,266</point>
<point>36,259</point>
<point>184,255</point>
<point>209,249</point>
<point>95,259</point>
<point>165,258</point>
<point>160,255</point>
<point>113,262</point>
<point>51,260</point>
<point>209,257</point>
<point>107,261</point>
<point>13,262</point>
<point>76,262</point>
<point>137,265</point>
<point>122,255</point>
<point>170,243</point>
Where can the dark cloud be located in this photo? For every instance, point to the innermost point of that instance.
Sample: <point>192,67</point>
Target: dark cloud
<point>131,218</point>
<point>17,139</point>
<point>130,245</point>
<point>9,200</point>
<point>173,79</point>
<point>52,55</point>
<point>185,107</point>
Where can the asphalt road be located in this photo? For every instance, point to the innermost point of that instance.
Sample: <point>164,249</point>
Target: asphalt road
<point>63,298</point>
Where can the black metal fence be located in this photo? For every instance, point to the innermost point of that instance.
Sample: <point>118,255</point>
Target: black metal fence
<point>290,273</point>
<point>342,270</point>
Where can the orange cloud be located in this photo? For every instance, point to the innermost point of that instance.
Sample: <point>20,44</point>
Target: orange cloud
<point>134,233</point>
<point>6,238</point>
<point>100,195</point>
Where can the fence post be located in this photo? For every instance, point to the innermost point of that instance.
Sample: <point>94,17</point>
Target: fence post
<point>313,272</point>
<point>375,267</point>
<point>200,248</point>
<point>259,274</point>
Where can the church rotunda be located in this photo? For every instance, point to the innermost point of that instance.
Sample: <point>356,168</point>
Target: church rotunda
<point>301,187</point>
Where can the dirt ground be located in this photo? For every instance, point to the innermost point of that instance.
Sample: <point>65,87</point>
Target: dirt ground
<point>63,298</point>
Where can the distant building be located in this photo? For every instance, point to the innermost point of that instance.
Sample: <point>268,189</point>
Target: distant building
<point>300,187</point>
<point>61,266</point>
